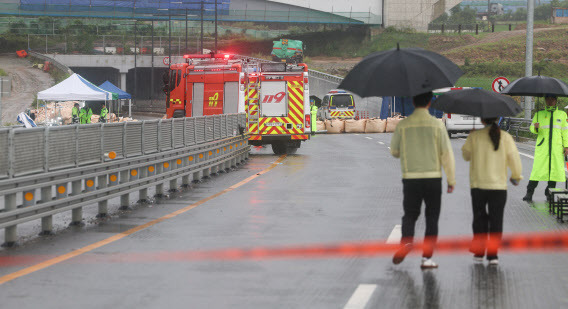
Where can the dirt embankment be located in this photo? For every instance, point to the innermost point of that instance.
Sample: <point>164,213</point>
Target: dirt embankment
<point>508,46</point>
<point>26,83</point>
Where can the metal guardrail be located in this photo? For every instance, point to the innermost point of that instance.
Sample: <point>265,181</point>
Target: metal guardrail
<point>42,164</point>
<point>516,125</point>
<point>57,64</point>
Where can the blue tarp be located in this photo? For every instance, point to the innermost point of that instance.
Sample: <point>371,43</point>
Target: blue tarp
<point>108,86</point>
<point>402,106</point>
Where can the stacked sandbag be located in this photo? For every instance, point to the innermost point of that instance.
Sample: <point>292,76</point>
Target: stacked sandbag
<point>95,118</point>
<point>355,126</point>
<point>335,126</point>
<point>376,125</point>
<point>320,125</point>
<point>392,122</point>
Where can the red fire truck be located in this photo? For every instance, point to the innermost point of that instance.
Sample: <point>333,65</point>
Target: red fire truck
<point>208,84</point>
<point>277,105</point>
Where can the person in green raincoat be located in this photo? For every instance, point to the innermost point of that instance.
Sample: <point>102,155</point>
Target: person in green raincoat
<point>551,145</point>
<point>75,113</point>
<point>104,114</point>
<point>83,115</point>
<point>314,113</point>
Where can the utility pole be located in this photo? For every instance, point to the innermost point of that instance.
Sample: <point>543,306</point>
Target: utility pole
<point>215,26</point>
<point>186,50</point>
<point>529,54</point>
<point>135,68</point>
<point>152,69</point>
<point>169,39</point>
<point>201,42</point>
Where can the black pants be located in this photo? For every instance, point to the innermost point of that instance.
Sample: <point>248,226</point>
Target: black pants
<point>415,191</point>
<point>488,207</point>
<point>533,184</point>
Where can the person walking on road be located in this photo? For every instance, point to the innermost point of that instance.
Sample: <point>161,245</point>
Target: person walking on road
<point>423,146</point>
<point>314,113</point>
<point>551,145</point>
<point>75,113</point>
<point>490,151</point>
<point>104,114</point>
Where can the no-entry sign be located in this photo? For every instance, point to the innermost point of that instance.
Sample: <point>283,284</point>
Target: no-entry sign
<point>499,84</point>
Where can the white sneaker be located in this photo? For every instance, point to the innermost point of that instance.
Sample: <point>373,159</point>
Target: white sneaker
<point>478,259</point>
<point>494,262</point>
<point>428,263</point>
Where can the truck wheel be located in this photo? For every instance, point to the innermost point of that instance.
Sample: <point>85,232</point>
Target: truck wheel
<point>179,113</point>
<point>279,148</point>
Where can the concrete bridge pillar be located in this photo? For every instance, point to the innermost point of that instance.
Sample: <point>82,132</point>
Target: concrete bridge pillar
<point>123,80</point>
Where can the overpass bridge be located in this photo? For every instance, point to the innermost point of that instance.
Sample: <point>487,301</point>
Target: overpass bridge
<point>186,250</point>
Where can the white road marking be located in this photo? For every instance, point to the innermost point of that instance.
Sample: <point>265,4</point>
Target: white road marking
<point>395,235</point>
<point>356,134</point>
<point>526,155</point>
<point>389,148</point>
<point>361,296</point>
<point>368,137</point>
<point>381,143</point>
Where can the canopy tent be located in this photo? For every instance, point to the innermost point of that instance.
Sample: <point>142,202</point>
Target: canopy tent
<point>108,86</point>
<point>75,87</point>
<point>122,95</point>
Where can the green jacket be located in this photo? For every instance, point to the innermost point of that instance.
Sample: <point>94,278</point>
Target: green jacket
<point>104,112</point>
<point>314,113</point>
<point>552,138</point>
<point>82,116</point>
<point>89,114</point>
<point>74,112</point>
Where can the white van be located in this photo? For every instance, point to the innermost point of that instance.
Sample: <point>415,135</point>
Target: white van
<point>457,123</point>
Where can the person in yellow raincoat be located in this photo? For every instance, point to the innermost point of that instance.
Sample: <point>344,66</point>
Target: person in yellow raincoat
<point>551,145</point>
<point>313,114</point>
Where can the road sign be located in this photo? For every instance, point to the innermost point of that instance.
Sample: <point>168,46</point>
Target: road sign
<point>499,84</point>
<point>166,61</point>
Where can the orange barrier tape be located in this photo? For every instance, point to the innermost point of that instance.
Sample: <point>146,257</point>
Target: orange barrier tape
<point>527,243</point>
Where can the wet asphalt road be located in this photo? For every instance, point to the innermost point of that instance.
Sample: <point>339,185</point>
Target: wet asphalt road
<point>338,188</point>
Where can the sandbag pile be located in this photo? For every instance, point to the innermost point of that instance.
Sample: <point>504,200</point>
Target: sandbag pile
<point>53,111</point>
<point>392,122</point>
<point>335,126</point>
<point>372,125</point>
<point>355,126</point>
<point>320,125</point>
<point>376,125</point>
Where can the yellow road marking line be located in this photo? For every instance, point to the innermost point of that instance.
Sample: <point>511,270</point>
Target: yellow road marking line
<point>74,253</point>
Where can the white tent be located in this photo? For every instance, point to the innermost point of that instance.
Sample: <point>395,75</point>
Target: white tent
<point>77,88</point>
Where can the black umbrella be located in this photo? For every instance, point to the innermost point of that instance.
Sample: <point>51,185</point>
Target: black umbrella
<point>477,102</point>
<point>401,72</point>
<point>537,86</point>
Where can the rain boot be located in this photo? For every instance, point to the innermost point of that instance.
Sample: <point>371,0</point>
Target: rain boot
<point>529,195</point>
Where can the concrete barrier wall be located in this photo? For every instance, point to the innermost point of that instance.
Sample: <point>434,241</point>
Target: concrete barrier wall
<point>5,86</point>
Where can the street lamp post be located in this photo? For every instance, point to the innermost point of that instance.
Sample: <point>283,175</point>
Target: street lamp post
<point>529,53</point>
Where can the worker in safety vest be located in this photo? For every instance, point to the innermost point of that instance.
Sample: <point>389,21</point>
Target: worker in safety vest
<point>104,114</point>
<point>85,114</point>
<point>75,113</point>
<point>314,113</point>
<point>551,145</point>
